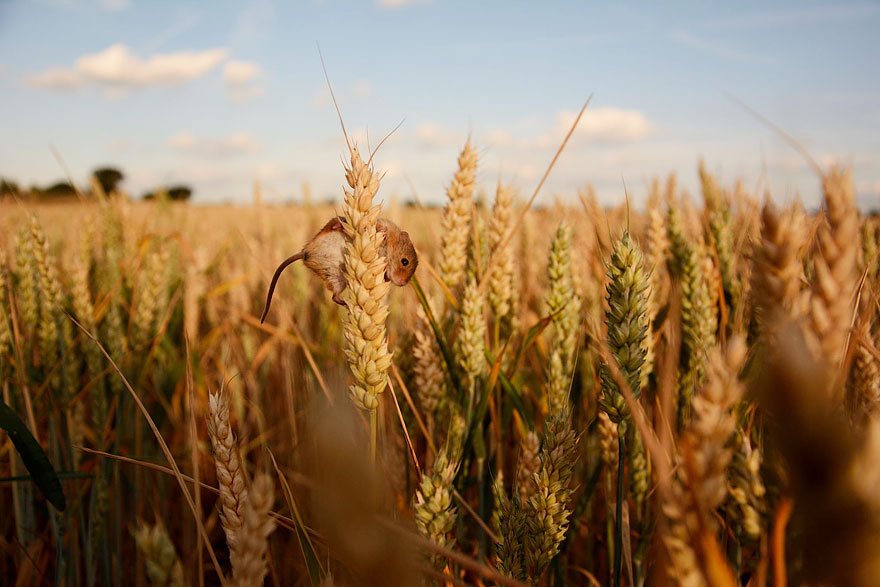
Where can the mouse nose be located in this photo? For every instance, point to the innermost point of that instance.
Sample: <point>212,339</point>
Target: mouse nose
<point>398,278</point>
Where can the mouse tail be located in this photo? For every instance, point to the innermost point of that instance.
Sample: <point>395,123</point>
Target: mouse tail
<point>275,277</point>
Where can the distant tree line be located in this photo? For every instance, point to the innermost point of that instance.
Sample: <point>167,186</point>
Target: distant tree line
<point>106,179</point>
<point>178,192</point>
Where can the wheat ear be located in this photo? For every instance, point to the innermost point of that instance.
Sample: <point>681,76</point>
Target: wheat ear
<point>834,269</point>
<point>249,566</point>
<point>364,270</point>
<point>230,475</point>
<point>457,218</point>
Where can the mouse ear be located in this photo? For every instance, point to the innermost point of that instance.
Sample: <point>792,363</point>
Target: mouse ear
<point>381,227</point>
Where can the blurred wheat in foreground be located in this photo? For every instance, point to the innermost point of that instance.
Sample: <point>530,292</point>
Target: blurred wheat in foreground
<point>565,395</point>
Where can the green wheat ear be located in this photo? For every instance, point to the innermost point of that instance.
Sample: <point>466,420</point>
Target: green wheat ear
<point>435,511</point>
<point>627,323</point>
<point>510,549</point>
<point>548,513</point>
<point>721,231</point>
<point>564,305</point>
<point>697,314</point>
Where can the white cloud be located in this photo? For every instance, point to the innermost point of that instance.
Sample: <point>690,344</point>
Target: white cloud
<point>600,125</point>
<point>56,78</point>
<point>608,125</point>
<point>240,79</point>
<point>116,68</point>
<point>238,143</point>
<point>240,73</point>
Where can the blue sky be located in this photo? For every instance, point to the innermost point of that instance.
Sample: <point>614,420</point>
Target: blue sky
<point>219,94</point>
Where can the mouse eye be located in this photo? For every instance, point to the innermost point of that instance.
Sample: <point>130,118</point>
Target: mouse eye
<point>404,261</point>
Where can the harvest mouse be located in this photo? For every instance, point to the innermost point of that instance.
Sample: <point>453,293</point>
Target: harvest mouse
<point>323,255</point>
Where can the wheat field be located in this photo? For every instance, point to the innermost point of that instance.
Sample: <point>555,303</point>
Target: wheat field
<point>684,394</point>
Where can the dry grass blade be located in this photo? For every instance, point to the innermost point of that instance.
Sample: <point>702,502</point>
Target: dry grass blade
<point>409,444</point>
<point>495,258</point>
<point>492,536</point>
<point>787,137</point>
<point>424,429</point>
